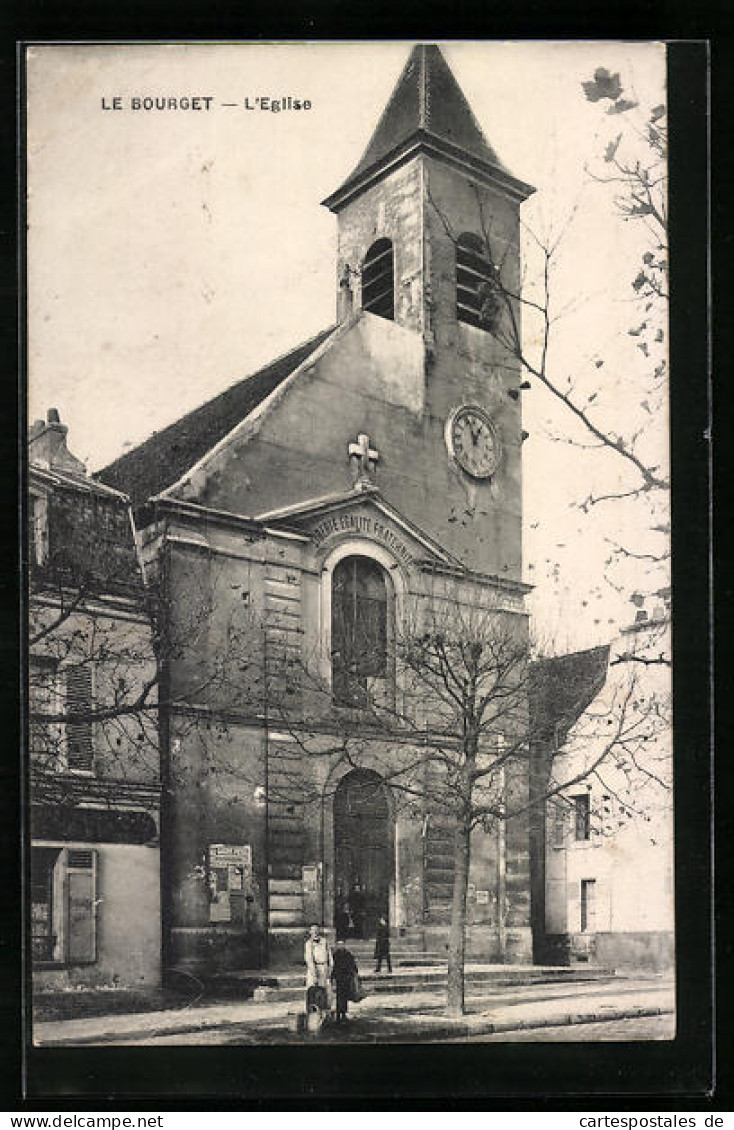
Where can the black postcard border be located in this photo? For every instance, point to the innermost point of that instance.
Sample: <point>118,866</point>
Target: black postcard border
<point>462,1076</point>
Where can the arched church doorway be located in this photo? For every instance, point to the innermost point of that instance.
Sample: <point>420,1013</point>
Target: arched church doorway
<point>363,859</point>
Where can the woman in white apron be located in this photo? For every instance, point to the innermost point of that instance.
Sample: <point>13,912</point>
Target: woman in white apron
<point>319,962</point>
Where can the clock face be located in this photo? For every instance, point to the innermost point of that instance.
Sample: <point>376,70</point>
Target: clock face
<point>473,441</point>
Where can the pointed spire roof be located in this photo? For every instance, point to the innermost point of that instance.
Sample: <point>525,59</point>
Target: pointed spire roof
<point>427,112</point>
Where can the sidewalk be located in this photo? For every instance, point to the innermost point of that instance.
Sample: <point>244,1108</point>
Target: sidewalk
<point>406,1018</point>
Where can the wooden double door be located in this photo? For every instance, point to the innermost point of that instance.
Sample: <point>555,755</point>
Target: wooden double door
<point>363,858</point>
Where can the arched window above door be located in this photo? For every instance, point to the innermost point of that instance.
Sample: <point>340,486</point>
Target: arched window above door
<point>360,616</point>
<point>378,283</point>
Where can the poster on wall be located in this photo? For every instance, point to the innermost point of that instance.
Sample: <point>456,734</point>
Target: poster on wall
<point>230,870</point>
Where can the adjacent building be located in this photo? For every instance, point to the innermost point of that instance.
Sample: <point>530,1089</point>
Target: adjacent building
<point>607,891</point>
<point>94,771</point>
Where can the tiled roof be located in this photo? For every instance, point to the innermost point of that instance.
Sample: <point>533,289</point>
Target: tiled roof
<point>426,103</point>
<point>164,457</point>
<point>561,689</point>
<point>53,477</point>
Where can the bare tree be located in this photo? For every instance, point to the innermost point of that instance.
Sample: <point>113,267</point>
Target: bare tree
<point>611,404</point>
<point>102,642</point>
<point>449,726</point>
<point>455,728</point>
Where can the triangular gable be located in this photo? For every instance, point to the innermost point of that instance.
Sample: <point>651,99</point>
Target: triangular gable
<point>249,424</point>
<point>361,512</point>
<point>166,458</point>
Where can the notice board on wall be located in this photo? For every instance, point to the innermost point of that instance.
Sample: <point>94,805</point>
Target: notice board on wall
<point>230,875</point>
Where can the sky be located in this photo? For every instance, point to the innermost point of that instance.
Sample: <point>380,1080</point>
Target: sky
<point>169,252</point>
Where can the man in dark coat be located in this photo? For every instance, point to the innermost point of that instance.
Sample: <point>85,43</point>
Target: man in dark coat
<point>341,916</point>
<point>343,974</point>
<point>382,946</point>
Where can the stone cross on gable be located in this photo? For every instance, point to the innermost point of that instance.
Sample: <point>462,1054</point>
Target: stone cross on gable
<point>363,459</point>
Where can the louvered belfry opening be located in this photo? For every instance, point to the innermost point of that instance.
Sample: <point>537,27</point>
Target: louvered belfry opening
<point>358,629</point>
<point>476,302</point>
<point>378,282</point>
<point>79,745</point>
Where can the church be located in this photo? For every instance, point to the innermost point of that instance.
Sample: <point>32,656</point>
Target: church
<point>292,523</point>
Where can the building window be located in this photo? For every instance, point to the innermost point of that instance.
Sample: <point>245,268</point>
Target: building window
<point>359,630</point>
<point>37,522</point>
<point>588,906</point>
<point>558,824</point>
<point>79,745</point>
<point>64,905</point>
<point>582,816</point>
<point>477,300</point>
<point>46,736</point>
<point>378,283</point>
<point>43,932</point>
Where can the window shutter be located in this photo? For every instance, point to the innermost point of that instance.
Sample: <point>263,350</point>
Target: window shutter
<point>81,879</point>
<point>79,748</point>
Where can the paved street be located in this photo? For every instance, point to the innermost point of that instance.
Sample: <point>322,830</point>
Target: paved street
<point>633,1028</point>
<point>532,1012</point>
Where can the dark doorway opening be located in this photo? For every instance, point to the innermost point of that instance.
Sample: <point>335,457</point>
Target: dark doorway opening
<point>363,859</point>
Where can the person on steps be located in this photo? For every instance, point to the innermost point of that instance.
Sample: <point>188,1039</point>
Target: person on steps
<point>382,946</point>
<point>319,962</point>
<point>343,974</point>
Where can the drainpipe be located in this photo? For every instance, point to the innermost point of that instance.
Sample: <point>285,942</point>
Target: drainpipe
<point>322,865</point>
<point>266,785</point>
<point>398,907</point>
<point>501,868</point>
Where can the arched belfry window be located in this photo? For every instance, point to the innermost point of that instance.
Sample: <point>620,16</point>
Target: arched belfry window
<point>360,608</point>
<point>476,290</point>
<point>378,283</point>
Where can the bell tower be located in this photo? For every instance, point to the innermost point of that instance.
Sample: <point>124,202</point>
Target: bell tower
<point>428,221</point>
<point>427,178</point>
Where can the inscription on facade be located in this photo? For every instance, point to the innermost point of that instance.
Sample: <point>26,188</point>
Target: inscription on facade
<point>368,527</point>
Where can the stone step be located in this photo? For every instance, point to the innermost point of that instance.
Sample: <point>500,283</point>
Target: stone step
<point>399,956</point>
<point>406,945</point>
<point>291,986</point>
